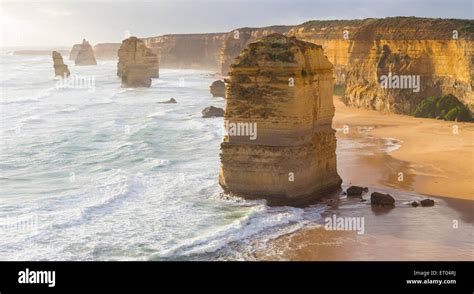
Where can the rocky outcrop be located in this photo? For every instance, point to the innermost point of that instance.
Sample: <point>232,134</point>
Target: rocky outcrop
<point>217,89</point>
<point>86,55</point>
<point>381,199</point>
<point>169,101</point>
<point>60,69</point>
<point>137,63</point>
<point>194,51</point>
<point>282,89</point>
<point>107,51</point>
<point>427,202</point>
<point>234,41</point>
<point>212,111</point>
<point>356,191</point>
<point>438,52</point>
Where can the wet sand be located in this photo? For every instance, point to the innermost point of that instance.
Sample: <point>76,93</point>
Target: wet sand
<point>435,163</point>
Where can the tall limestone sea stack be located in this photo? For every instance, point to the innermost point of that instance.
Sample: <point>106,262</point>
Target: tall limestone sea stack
<point>86,55</point>
<point>282,89</point>
<point>137,63</point>
<point>60,69</point>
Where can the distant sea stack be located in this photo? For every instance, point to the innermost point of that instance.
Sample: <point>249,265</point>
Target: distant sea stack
<point>86,55</point>
<point>137,63</point>
<point>74,50</point>
<point>196,51</point>
<point>217,89</point>
<point>60,69</point>
<point>281,88</point>
<point>107,51</point>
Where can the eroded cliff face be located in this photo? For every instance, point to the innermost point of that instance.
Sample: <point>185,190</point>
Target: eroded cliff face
<point>137,63</point>
<point>282,89</point>
<point>418,57</point>
<point>194,51</point>
<point>233,42</point>
<point>107,51</point>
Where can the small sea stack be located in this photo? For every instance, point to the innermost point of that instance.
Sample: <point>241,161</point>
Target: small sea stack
<point>60,69</point>
<point>86,55</point>
<point>137,64</point>
<point>280,144</point>
<point>217,89</point>
<point>212,111</point>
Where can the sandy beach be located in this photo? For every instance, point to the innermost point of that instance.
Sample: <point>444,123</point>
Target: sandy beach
<point>439,154</point>
<point>435,159</point>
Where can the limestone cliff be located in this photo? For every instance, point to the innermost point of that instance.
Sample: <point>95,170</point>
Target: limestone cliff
<point>283,88</point>
<point>438,52</point>
<point>107,51</point>
<point>233,42</point>
<point>60,69</point>
<point>86,55</point>
<point>195,51</point>
<point>137,63</point>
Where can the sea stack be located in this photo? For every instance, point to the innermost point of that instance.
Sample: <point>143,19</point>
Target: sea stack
<point>74,50</point>
<point>137,64</point>
<point>60,69</point>
<point>217,89</point>
<point>86,55</point>
<point>281,88</point>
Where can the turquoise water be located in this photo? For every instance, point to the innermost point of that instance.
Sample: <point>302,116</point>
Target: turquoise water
<point>98,172</point>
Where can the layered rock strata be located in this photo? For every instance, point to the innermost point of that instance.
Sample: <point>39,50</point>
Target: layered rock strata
<point>86,55</point>
<point>418,57</point>
<point>282,89</point>
<point>60,69</point>
<point>137,63</point>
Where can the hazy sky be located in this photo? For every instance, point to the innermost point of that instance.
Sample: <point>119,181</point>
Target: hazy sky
<point>64,22</point>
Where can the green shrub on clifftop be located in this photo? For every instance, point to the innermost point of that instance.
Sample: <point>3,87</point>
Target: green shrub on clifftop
<point>443,107</point>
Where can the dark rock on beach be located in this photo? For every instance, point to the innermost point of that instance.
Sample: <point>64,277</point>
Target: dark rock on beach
<point>377,198</point>
<point>356,191</point>
<point>427,202</point>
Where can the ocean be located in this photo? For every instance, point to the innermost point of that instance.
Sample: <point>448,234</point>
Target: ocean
<point>93,171</point>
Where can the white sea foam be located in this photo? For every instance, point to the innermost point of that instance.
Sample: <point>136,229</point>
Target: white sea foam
<point>114,175</point>
<point>391,144</point>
